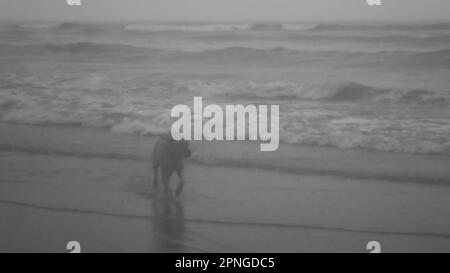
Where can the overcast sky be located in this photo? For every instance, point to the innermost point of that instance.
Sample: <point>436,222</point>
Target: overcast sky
<point>201,10</point>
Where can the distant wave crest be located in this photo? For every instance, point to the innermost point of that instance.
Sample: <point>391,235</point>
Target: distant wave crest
<point>266,26</point>
<point>89,47</point>
<point>334,92</point>
<point>187,28</point>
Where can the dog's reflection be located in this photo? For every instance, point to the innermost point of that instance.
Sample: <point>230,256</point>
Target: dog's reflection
<point>169,224</point>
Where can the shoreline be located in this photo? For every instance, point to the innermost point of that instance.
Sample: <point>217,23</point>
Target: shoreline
<point>289,158</point>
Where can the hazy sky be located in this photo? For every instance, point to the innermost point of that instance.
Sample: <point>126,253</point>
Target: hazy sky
<point>198,10</point>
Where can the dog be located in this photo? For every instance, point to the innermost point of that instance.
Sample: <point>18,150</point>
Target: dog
<point>168,156</point>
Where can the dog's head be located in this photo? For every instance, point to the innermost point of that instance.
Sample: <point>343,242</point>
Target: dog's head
<point>178,148</point>
<point>183,147</point>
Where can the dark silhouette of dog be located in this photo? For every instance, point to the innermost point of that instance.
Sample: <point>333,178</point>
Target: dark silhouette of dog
<point>168,157</point>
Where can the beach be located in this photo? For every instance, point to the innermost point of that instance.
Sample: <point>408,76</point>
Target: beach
<point>364,131</point>
<point>61,184</point>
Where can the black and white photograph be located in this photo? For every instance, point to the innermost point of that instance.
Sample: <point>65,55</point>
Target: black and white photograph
<point>224,126</point>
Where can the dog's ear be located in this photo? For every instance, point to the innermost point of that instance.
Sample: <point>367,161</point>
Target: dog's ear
<point>167,137</point>
<point>185,148</point>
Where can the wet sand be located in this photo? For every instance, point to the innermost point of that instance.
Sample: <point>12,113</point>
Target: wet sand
<point>60,184</point>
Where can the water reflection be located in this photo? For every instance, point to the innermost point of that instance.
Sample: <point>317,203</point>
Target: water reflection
<point>169,224</point>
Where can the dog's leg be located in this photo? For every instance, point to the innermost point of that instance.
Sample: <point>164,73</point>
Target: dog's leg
<point>155,175</point>
<point>165,179</point>
<point>181,183</point>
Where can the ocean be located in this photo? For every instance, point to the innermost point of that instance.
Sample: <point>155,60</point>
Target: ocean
<point>383,87</point>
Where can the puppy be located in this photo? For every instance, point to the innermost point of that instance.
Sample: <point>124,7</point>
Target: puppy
<point>168,156</point>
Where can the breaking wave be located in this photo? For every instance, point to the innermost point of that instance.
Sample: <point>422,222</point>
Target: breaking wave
<point>284,55</point>
<point>340,114</point>
<point>331,92</point>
